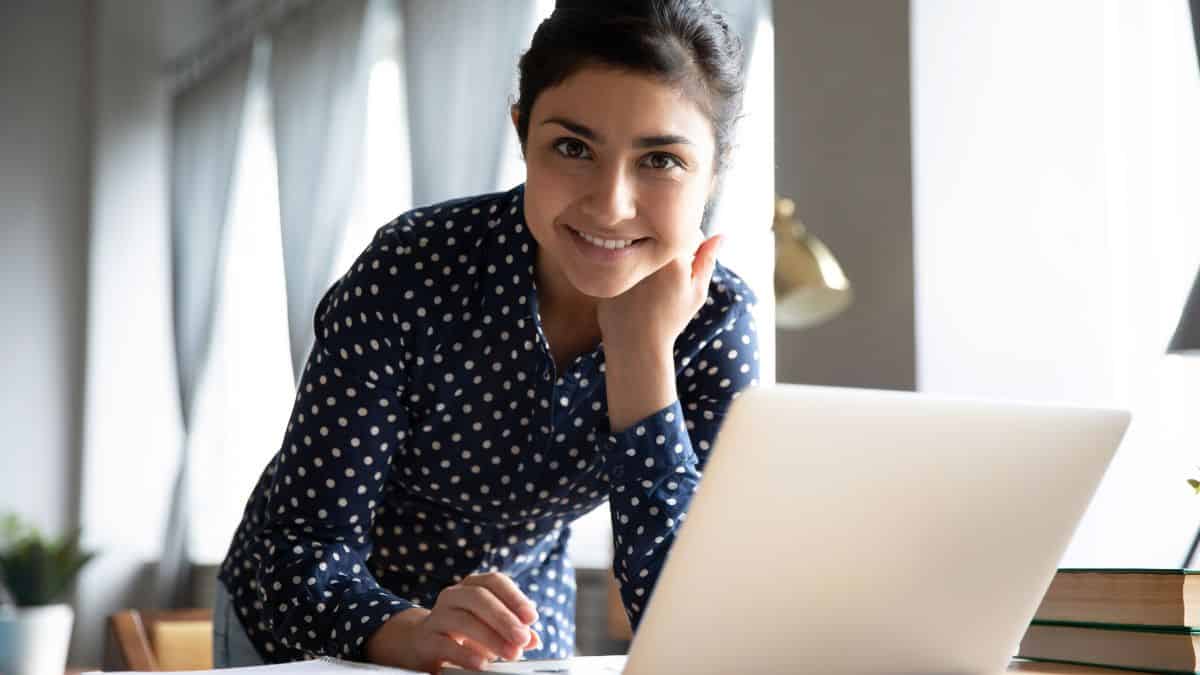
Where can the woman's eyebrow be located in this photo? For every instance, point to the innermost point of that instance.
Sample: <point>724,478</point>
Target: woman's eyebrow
<point>643,142</point>
<point>664,139</point>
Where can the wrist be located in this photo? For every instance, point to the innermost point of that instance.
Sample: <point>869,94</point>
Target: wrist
<point>654,354</point>
<point>382,646</point>
<point>639,383</point>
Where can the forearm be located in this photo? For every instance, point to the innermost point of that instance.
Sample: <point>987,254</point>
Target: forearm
<point>652,472</point>
<point>317,603</point>
<point>311,551</point>
<point>639,382</point>
<point>645,522</point>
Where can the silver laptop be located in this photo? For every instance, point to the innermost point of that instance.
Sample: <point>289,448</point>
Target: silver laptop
<point>864,531</point>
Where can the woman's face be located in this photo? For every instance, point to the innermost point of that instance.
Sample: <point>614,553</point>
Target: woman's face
<point>612,158</point>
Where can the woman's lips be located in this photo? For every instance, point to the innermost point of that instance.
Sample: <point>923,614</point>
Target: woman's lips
<point>599,253</point>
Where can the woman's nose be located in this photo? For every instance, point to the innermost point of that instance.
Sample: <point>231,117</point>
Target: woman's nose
<point>611,199</point>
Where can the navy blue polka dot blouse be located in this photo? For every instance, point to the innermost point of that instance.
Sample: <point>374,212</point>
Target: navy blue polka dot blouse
<point>432,438</point>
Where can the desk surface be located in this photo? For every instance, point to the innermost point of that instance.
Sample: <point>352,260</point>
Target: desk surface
<point>1029,667</point>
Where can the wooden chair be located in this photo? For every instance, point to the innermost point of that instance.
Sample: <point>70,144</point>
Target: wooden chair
<point>159,640</point>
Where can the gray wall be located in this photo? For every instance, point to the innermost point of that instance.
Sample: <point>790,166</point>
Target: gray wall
<point>44,177</point>
<point>842,149</point>
<point>79,83</point>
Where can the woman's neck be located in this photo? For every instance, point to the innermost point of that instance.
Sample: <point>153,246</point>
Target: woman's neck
<point>561,306</point>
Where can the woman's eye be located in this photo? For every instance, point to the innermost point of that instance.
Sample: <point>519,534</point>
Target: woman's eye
<point>571,148</point>
<point>663,161</point>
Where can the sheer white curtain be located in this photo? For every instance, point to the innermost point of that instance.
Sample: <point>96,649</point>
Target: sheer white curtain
<point>1056,154</point>
<point>319,73</point>
<point>247,387</point>
<point>386,186</point>
<point>205,125</point>
<point>1144,513</point>
<point>460,62</point>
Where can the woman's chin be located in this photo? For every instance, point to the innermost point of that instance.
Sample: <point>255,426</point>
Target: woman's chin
<point>601,288</point>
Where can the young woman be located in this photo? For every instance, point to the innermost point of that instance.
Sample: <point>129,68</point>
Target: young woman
<point>493,367</point>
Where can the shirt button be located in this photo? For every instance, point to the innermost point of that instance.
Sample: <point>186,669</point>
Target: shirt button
<point>618,472</point>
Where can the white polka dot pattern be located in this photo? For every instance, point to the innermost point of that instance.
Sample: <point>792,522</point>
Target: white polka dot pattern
<point>433,438</point>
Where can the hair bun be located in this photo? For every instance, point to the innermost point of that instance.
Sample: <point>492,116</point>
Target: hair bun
<point>607,7</point>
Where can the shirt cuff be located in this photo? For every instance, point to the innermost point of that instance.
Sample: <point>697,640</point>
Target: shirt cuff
<point>360,616</point>
<point>655,446</point>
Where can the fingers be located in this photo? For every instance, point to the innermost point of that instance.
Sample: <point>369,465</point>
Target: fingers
<point>463,655</point>
<point>535,642</point>
<point>488,654</point>
<point>482,604</point>
<point>706,258</point>
<point>504,588</point>
<point>461,623</point>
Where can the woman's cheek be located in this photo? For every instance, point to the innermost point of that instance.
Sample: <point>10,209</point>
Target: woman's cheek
<point>549,193</point>
<point>680,227</point>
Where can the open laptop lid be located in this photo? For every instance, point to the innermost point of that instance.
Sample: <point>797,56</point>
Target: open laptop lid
<point>856,530</point>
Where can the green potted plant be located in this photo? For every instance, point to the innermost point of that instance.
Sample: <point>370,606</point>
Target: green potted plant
<point>36,573</point>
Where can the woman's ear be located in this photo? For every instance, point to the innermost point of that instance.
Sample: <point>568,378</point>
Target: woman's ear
<point>515,112</point>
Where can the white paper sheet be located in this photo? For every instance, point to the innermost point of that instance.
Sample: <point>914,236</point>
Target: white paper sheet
<point>321,666</point>
<point>580,665</point>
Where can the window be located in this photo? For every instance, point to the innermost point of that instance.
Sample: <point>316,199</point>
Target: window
<point>1056,235</point>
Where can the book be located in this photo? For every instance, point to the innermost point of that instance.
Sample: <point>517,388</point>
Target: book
<point>1167,598</point>
<point>1141,648</point>
<point>1053,668</point>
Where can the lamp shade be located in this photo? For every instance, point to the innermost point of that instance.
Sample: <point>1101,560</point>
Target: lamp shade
<point>1187,333</point>
<point>809,284</point>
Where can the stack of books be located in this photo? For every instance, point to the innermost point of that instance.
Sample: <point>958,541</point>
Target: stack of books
<point>1136,619</point>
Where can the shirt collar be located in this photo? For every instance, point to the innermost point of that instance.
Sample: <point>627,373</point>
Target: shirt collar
<point>508,274</point>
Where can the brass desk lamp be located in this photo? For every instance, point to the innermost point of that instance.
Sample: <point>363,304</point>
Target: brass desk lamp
<point>809,284</point>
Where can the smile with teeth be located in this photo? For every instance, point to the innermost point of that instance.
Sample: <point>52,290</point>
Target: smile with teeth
<point>605,243</point>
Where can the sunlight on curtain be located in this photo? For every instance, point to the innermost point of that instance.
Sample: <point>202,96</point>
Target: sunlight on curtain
<point>245,395</point>
<point>512,166</point>
<point>1144,513</point>
<point>386,189</point>
<point>1056,210</point>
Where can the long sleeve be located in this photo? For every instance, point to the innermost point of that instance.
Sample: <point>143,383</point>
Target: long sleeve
<point>312,577</point>
<point>655,465</point>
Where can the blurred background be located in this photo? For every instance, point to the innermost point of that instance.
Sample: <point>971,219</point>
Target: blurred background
<point>989,199</point>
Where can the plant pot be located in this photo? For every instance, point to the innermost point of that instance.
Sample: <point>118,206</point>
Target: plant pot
<point>34,640</point>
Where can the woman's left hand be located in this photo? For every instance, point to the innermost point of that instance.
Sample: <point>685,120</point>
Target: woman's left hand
<point>655,311</point>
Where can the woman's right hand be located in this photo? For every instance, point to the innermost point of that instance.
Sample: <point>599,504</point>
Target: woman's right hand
<point>471,624</point>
